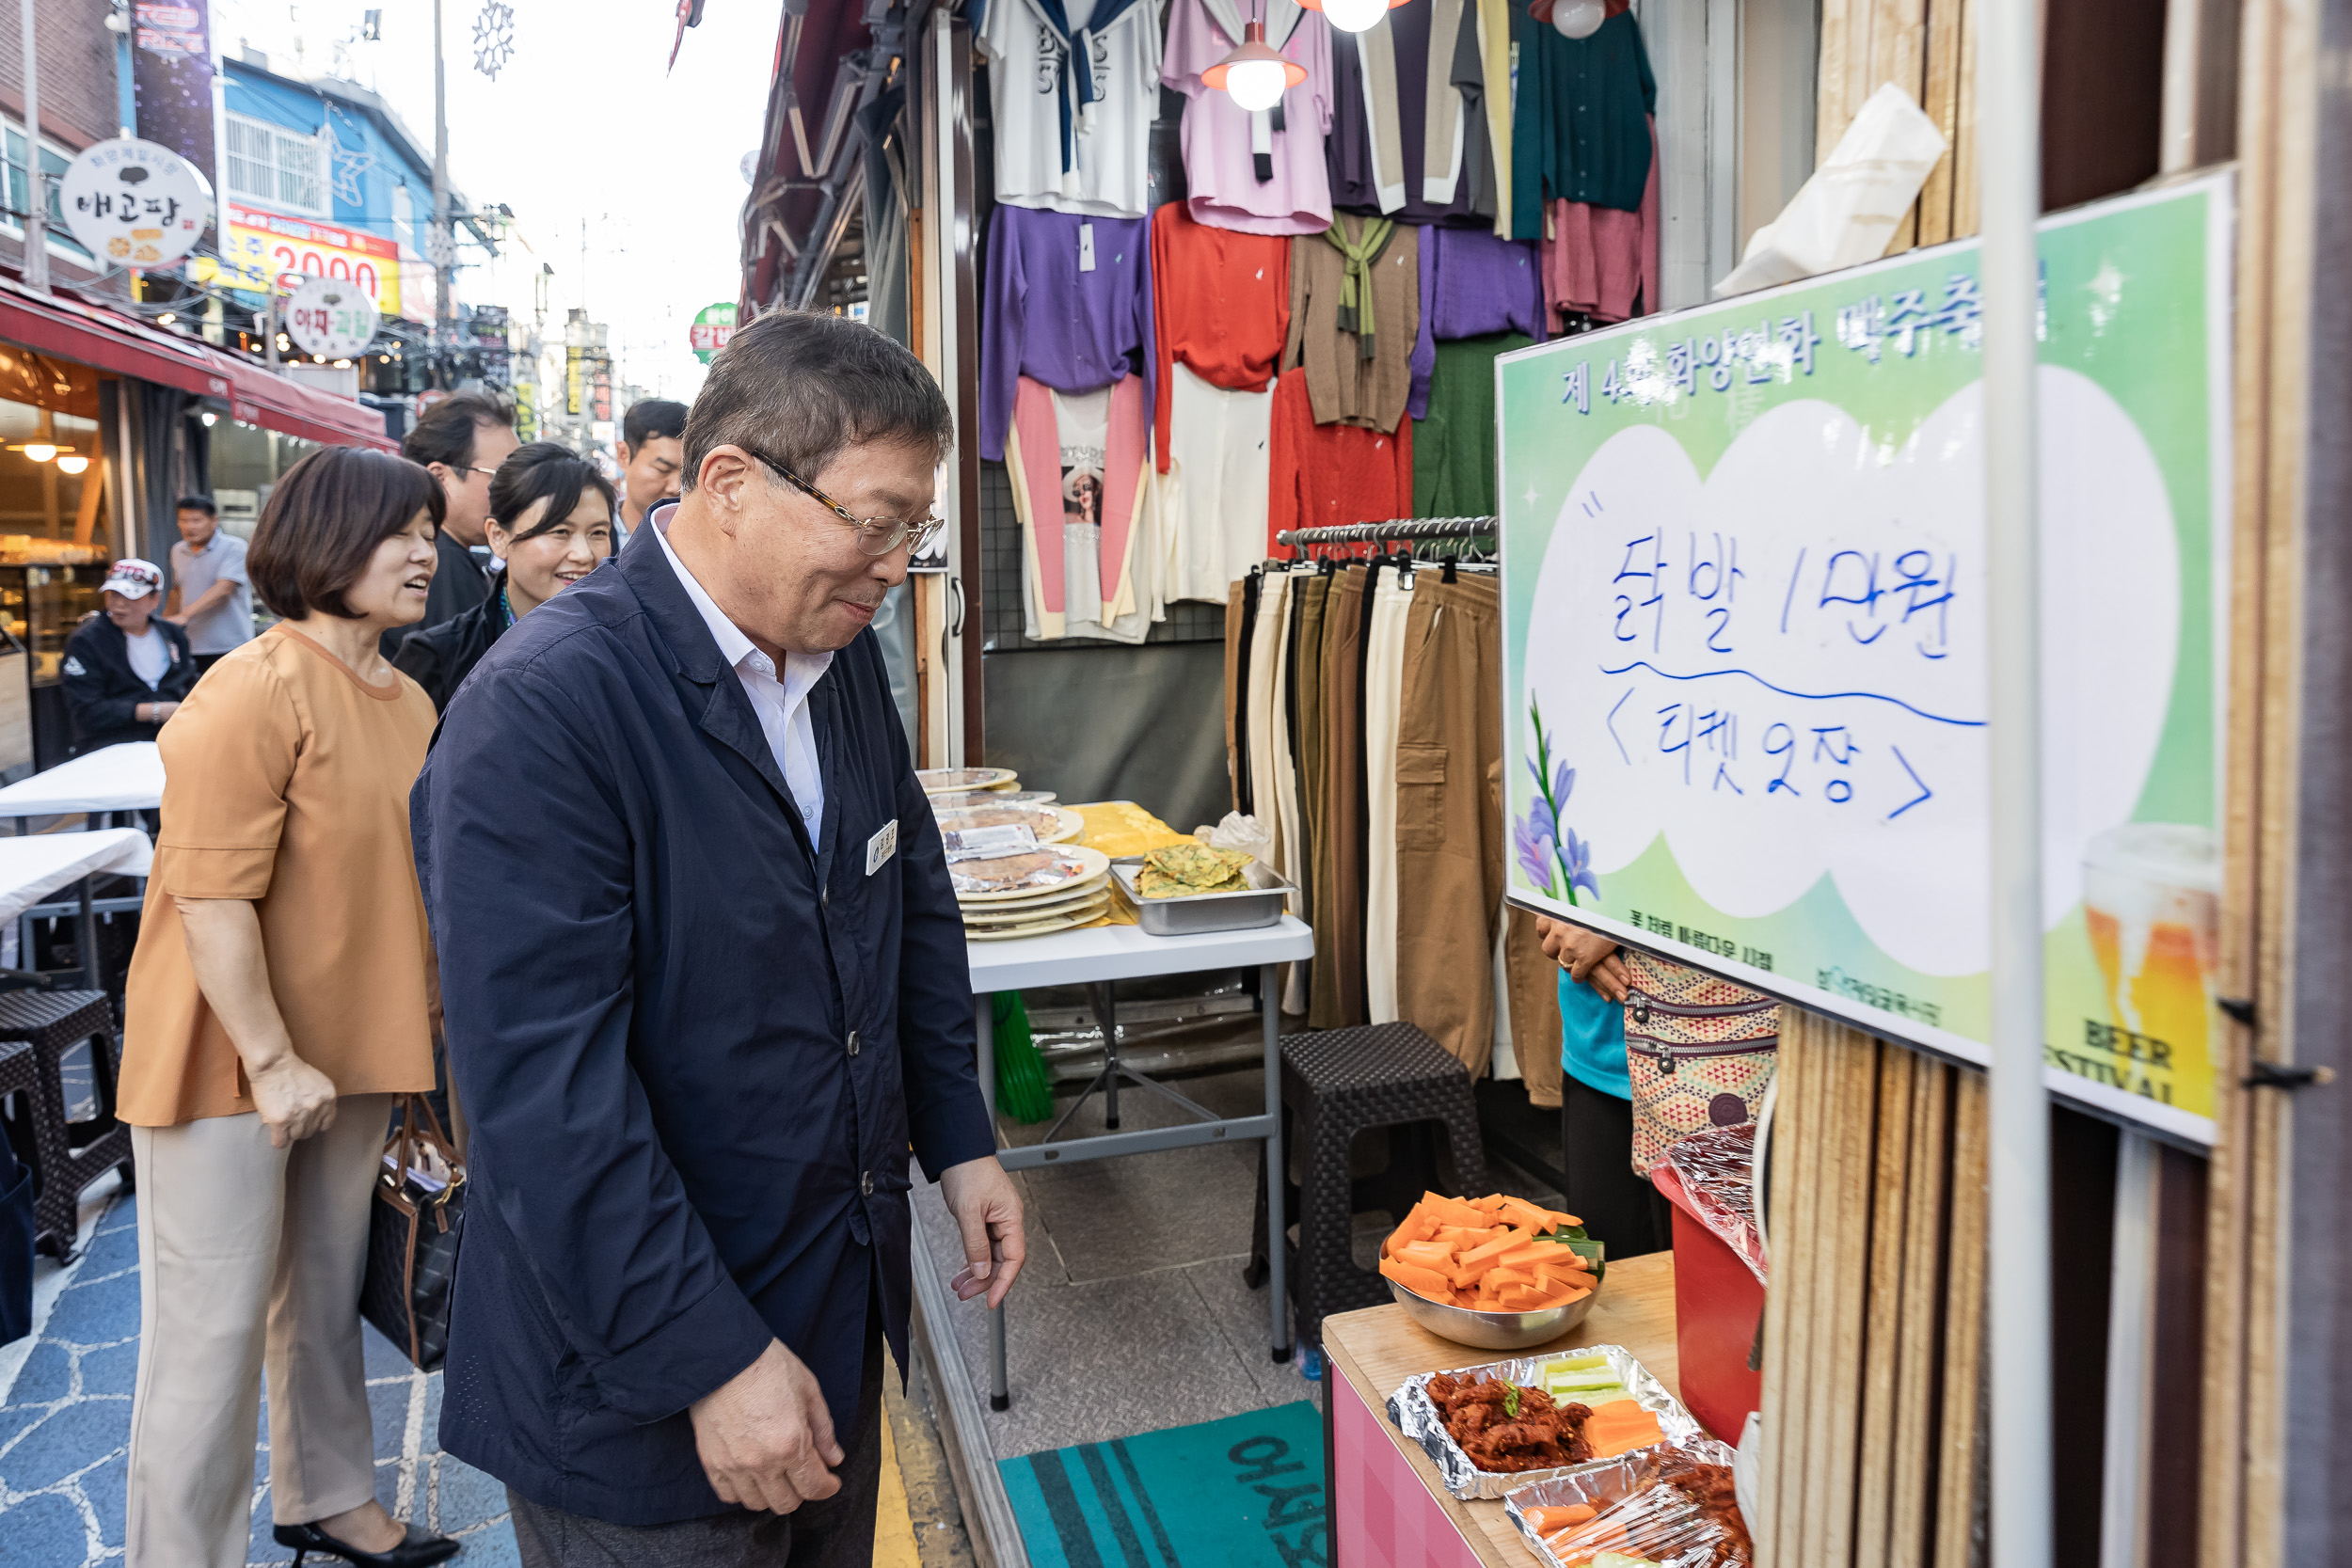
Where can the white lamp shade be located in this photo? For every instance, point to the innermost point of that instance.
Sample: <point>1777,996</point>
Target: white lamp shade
<point>39,451</point>
<point>1256,84</point>
<point>1354,16</point>
<point>71,463</point>
<point>1577,19</point>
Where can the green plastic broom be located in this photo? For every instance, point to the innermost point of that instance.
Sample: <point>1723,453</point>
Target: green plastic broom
<point>1021,1090</point>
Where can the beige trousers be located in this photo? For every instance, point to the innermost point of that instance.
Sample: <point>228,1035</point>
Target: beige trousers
<point>248,1255</point>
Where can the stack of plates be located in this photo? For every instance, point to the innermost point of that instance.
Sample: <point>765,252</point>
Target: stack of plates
<point>961,781</point>
<point>1051,889</point>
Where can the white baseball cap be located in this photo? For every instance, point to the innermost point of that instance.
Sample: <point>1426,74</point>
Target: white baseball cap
<point>133,579</point>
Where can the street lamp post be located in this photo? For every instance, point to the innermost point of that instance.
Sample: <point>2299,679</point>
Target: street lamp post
<point>37,194</point>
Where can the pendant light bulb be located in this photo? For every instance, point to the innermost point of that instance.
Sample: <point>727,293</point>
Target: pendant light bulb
<point>1256,84</point>
<point>71,463</point>
<point>1577,19</point>
<point>1354,16</point>
<point>39,451</point>
<point>1253,75</point>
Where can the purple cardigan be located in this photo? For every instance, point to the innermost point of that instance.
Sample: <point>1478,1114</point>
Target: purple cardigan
<point>1471,284</point>
<point>1044,318</point>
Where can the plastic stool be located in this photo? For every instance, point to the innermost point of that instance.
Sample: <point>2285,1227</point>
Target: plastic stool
<point>1336,1084</point>
<point>65,1156</point>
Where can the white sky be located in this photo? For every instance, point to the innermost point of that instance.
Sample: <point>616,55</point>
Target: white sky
<point>581,135</point>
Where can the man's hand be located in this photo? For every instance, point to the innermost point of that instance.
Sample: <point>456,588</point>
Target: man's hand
<point>1590,959</point>
<point>987,1208</point>
<point>294,1098</point>
<point>765,1436</point>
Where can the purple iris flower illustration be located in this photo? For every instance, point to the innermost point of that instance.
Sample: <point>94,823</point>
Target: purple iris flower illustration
<point>1545,846</point>
<point>1533,842</point>
<point>1576,858</point>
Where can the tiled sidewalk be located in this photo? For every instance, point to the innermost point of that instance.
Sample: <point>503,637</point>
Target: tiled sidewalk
<point>65,1423</point>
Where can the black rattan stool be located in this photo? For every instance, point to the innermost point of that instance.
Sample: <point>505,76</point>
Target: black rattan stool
<point>1336,1084</point>
<point>65,1156</point>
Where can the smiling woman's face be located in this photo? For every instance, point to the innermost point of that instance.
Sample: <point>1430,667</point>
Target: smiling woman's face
<point>391,589</point>
<point>544,564</point>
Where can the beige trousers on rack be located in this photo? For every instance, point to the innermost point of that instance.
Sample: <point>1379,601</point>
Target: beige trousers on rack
<point>248,1255</point>
<point>1266,688</point>
<point>1384,692</point>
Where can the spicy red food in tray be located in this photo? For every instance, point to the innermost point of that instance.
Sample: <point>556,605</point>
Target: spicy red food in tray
<point>1684,1515</point>
<point>1506,1426</point>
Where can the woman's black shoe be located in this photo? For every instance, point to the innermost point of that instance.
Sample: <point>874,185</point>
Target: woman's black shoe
<point>418,1548</point>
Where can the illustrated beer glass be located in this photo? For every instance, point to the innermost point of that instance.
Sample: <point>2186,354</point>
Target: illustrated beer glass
<point>2152,895</point>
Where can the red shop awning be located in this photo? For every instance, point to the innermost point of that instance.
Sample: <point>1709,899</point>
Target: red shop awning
<point>55,324</point>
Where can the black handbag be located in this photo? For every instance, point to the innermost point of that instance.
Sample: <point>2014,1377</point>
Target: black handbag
<point>413,1231</point>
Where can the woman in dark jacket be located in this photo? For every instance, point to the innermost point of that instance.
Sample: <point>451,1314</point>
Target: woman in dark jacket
<point>126,671</point>
<point>551,522</point>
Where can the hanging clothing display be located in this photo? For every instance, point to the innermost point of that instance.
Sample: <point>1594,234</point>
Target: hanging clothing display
<point>1336,988</point>
<point>1450,850</point>
<point>1473,284</point>
<point>1384,689</point>
<point>1323,474</point>
<point>1264,635</point>
<point>1599,262</point>
<point>1222,304</point>
<point>1069,304</point>
<point>1258,171</point>
<point>1579,129</point>
<point>1494,101</point>
<point>1082,488</point>
<point>1355,314</point>
<point>1453,449</point>
<point>1074,138</point>
<point>1215,486</point>
<point>1401,126</point>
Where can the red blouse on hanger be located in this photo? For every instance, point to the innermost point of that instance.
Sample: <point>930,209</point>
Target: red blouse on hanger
<point>1223,303</point>
<point>1323,474</point>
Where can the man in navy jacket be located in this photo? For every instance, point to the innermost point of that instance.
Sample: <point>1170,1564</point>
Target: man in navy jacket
<point>704,980</point>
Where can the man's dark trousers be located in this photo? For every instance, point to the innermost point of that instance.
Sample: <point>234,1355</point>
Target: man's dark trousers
<point>832,1532</point>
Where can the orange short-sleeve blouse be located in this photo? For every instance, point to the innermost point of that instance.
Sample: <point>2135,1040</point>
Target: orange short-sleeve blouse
<point>286,781</point>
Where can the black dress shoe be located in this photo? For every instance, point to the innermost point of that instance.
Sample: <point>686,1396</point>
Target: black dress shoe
<point>416,1548</point>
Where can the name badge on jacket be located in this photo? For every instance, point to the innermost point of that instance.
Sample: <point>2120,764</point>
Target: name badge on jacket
<point>881,847</point>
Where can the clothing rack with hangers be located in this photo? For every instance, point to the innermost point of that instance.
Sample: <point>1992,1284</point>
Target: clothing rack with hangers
<point>1402,530</point>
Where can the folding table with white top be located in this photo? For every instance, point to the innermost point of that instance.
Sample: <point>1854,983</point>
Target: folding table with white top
<point>1095,956</point>
<point>34,866</point>
<point>113,778</point>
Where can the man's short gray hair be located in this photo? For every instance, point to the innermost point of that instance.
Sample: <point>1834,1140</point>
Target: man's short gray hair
<point>798,386</point>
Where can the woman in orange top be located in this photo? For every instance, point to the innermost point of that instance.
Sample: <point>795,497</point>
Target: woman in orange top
<point>280,997</point>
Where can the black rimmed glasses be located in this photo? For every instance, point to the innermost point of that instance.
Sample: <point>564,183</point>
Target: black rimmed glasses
<point>875,535</point>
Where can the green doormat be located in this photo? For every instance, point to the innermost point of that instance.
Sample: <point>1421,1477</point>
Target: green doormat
<point>1244,1491</point>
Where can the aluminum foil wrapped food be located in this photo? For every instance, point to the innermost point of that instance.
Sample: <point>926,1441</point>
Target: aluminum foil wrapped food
<point>1672,1507</point>
<point>1716,1170</point>
<point>1417,1416</point>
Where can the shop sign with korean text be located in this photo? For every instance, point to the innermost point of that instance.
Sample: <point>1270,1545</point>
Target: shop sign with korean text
<point>330,318</point>
<point>713,326</point>
<point>1745,642</point>
<point>269,251</point>
<point>134,203</point>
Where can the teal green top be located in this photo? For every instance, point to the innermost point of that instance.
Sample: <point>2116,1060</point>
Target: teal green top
<point>1579,129</point>
<point>1453,449</point>
<point>1592,1037</point>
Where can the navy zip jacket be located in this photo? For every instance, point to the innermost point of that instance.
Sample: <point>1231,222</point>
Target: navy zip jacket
<point>692,1047</point>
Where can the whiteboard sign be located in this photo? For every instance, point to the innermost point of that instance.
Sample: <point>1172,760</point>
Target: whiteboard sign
<point>1747,651</point>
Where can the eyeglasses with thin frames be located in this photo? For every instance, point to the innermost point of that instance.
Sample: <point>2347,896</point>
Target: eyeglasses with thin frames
<point>875,535</point>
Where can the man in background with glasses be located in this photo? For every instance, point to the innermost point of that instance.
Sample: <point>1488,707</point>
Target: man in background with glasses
<point>704,980</point>
<point>461,440</point>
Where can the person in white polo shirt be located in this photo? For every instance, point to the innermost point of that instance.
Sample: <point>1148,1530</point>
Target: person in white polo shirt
<point>126,671</point>
<point>212,598</point>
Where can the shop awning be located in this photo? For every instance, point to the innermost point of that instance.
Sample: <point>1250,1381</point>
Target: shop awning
<point>54,324</point>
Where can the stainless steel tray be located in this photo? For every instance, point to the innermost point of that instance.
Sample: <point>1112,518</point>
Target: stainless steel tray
<point>1417,1418</point>
<point>1260,905</point>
